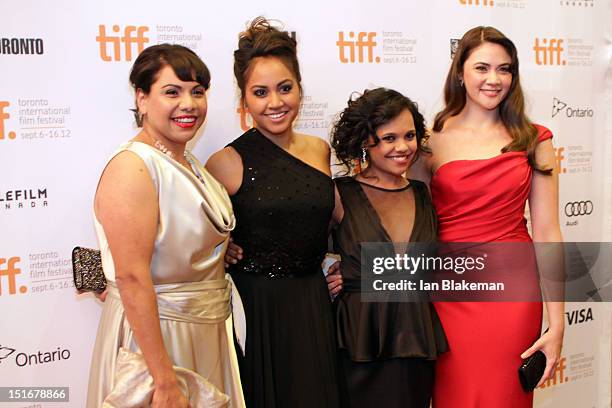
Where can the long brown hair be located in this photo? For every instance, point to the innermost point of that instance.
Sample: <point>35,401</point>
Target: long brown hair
<point>511,110</point>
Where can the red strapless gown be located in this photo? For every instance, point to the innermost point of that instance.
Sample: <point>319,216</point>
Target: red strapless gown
<point>484,201</point>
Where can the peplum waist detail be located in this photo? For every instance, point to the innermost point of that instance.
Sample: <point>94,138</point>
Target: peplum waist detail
<point>371,331</point>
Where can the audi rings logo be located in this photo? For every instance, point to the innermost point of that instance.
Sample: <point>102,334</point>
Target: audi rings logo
<point>576,208</point>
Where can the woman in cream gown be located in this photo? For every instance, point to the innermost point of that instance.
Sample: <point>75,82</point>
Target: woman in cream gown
<point>165,332</point>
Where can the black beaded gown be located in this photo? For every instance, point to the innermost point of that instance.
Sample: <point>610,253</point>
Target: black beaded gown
<point>388,349</point>
<point>283,209</point>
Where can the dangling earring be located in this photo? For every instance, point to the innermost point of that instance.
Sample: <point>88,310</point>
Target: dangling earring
<point>363,154</point>
<point>461,82</point>
<point>137,117</point>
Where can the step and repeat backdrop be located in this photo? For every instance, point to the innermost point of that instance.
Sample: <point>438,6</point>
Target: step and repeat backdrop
<point>64,107</point>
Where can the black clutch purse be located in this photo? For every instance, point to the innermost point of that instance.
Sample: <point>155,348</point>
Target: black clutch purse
<point>532,370</point>
<point>87,270</point>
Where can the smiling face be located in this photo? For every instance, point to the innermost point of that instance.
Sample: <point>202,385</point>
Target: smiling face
<point>487,76</point>
<point>272,96</point>
<point>396,148</point>
<point>174,109</point>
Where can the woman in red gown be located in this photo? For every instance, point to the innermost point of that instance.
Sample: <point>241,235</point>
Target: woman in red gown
<point>488,160</point>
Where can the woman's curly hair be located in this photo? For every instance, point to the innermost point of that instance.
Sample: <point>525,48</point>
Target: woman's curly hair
<point>363,115</point>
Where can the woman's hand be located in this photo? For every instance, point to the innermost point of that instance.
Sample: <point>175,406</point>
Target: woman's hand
<point>550,344</point>
<point>233,254</point>
<point>334,279</point>
<point>100,296</point>
<point>169,395</point>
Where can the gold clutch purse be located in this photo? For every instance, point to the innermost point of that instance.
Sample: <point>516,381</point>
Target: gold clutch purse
<point>87,270</point>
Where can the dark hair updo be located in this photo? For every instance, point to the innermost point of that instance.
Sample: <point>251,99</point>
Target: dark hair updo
<point>261,39</point>
<point>185,63</point>
<point>363,115</point>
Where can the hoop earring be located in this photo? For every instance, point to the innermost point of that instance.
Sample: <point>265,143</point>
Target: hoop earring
<point>461,82</point>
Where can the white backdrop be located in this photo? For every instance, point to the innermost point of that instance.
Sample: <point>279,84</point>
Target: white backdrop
<point>64,100</point>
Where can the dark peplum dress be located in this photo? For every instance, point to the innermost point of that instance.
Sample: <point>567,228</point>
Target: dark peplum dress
<point>283,209</point>
<point>484,201</point>
<point>388,349</point>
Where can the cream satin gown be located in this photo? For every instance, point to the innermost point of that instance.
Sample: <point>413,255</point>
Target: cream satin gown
<point>193,296</point>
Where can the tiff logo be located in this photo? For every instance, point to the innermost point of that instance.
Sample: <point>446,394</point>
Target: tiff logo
<point>477,2</point>
<point>131,35</point>
<point>365,41</point>
<point>11,271</point>
<point>246,122</point>
<point>546,50</point>
<point>4,116</point>
<point>559,158</point>
<point>558,375</point>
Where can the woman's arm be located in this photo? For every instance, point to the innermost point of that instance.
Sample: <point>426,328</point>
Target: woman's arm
<point>422,169</point>
<point>127,207</point>
<point>544,211</point>
<point>335,283</point>
<point>338,213</point>
<point>226,166</point>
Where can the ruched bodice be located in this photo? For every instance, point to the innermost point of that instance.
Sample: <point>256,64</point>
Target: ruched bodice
<point>484,200</point>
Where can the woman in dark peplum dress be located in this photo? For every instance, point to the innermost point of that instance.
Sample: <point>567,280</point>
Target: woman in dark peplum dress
<point>283,198</point>
<point>388,349</point>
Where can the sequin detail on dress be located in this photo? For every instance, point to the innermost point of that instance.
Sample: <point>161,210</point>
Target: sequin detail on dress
<point>284,206</point>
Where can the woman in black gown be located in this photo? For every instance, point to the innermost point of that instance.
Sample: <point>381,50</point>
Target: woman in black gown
<point>388,349</point>
<point>283,198</point>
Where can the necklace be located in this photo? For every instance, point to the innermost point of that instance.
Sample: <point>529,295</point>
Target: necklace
<point>160,146</point>
<point>195,168</point>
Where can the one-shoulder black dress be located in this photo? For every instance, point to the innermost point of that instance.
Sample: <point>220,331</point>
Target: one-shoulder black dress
<point>283,209</point>
<point>388,349</point>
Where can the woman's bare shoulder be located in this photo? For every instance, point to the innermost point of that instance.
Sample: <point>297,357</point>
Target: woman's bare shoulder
<point>314,142</point>
<point>226,166</point>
